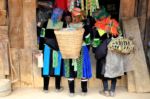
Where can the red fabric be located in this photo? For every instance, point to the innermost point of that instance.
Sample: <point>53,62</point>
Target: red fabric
<point>105,25</point>
<point>61,4</point>
<point>114,31</point>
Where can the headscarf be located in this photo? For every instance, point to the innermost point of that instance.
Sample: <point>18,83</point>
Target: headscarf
<point>76,11</point>
<point>77,14</point>
<point>57,12</point>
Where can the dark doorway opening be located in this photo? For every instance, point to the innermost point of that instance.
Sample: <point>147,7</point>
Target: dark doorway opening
<point>112,6</point>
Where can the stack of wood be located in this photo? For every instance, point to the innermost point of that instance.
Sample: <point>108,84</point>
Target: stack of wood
<point>4,63</point>
<point>138,79</point>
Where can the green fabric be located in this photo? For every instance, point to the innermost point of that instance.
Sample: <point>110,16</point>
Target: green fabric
<point>55,58</point>
<point>74,63</point>
<point>88,39</point>
<point>67,68</point>
<point>79,66</point>
<point>58,25</point>
<point>96,42</point>
<point>102,13</point>
<point>42,34</point>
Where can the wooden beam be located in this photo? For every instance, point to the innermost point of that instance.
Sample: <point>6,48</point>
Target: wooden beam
<point>26,69</point>
<point>16,35</point>
<point>4,33</point>
<point>4,57</point>
<point>29,24</point>
<point>3,18</point>
<point>140,70</point>
<point>3,4</point>
<point>142,16</point>
<point>2,75</point>
<point>131,82</point>
<point>127,8</point>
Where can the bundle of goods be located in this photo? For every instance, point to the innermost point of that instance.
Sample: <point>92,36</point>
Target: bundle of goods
<point>121,45</point>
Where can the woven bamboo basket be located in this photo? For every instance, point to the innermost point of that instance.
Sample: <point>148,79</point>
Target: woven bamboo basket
<point>121,45</point>
<point>70,42</point>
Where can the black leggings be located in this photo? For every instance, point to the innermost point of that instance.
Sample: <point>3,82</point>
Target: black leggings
<point>57,82</point>
<point>72,86</point>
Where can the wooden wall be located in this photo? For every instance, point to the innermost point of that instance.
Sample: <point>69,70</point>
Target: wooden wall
<point>22,38</point>
<point>143,14</point>
<point>4,61</point>
<point>141,10</point>
<point>22,23</point>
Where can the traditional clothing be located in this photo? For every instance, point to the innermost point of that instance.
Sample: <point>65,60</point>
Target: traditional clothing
<point>53,62</point>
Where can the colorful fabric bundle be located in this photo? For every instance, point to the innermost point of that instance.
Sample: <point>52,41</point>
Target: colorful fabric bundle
<point>63,4</point>
<point>57,12</point>
<point>71,5</point>
<point>108,25</point>
<point>82,4</point>
<point>91,5</point>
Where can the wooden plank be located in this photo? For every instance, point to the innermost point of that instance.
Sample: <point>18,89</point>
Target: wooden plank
<point>3,19</point>
<point>4,33</point>
<point>3,4</point>
<point>29,24</point>
<point>1,65</point>
<point>142,16</point>
<point>15,61</point>
<point>131,82</point>
<point>4,57</point>
<point>127,8</point>
<point>141,74</point>
<point>37,75</point>
<point>26,70</point>
<point>147,33</point>
<point>15,24</point>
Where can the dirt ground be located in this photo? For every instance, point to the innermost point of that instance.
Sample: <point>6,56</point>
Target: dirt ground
<point>30,93</point>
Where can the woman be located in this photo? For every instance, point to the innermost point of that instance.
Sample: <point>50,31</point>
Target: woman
<point>106,28</point>
<point>81,67</point>
<point>53,63</point>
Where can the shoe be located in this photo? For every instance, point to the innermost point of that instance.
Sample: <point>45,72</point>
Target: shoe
<point>71,95</point>
<point>83,93</point>
<point>106,93</point>
<point>112,94</point>
<point>45,91</point>
<point>60,90</point>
